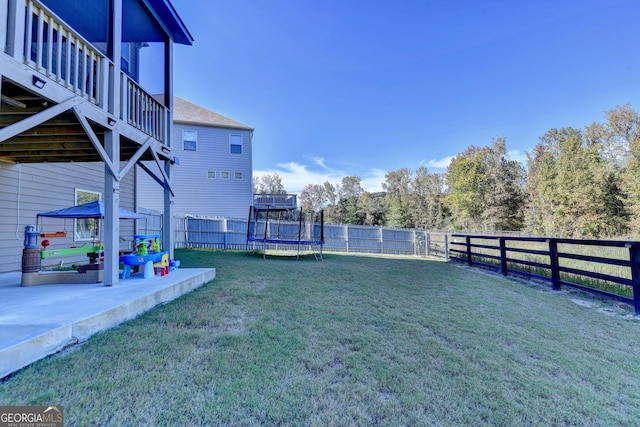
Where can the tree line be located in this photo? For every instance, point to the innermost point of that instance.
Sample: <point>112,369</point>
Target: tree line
<point>580,183</point>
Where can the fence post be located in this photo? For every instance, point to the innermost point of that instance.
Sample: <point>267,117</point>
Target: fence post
<point>446,247</point>
<point>468,239</point>
<point>503,256</point>
<point>555,265</point>
<point>416,247</point>
<point>186,230</point>
<point>634,259</point>
<point>346,238</point>
<point>427,239</point>
<point>225,229</point>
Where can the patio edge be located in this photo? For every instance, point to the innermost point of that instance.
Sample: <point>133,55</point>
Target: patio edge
<point>24,353</point>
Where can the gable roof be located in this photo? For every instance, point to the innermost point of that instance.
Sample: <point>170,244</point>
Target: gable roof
<point>188,113</point>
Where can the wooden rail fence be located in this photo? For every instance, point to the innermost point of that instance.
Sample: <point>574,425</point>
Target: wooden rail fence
<point>606,268</point>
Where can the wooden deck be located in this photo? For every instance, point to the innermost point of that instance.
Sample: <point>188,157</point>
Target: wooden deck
<point>57,96</point>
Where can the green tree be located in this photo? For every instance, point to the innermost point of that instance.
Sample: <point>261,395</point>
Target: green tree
<point>312,198</point>
<point>398,189</point>
<point>374,208</point>
<point>427,194</point>
<point>622,145</point>
<point>540,190</point>
<point>615,140</point>
<point>348,208</point>
<point>268,184</point>
<point>566,186</point>
<point>315,197</point>
<point>486,189</point>
<point>505,196</point>
<point>468,184</point>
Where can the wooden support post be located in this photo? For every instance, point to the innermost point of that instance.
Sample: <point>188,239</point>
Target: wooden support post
<point>427,240</point>
<point>468,240</point>
<point>503,256</point>
<point>446,247</point>
<point>111,215</point>
<point>555,265</point>
<point>112,151</point>
<point>167,223</point>
<point>634,259</point>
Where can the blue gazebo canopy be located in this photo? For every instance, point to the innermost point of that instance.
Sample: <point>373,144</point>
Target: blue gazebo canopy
<point>89,210</point>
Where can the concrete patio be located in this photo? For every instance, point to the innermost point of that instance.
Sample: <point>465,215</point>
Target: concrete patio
<point>37,321</point>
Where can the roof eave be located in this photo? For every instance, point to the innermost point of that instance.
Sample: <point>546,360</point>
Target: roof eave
<point>168,17</point>
<point>212,125</point>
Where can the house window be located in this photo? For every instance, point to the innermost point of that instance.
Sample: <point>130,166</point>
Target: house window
<point>86,228</point>
<point>224,175</point>
<point>237,175</point>
<point>211,174</point>
<point>189,140</point>
<point>235,144</point>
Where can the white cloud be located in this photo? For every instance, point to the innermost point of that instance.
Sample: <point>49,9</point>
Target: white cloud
<point>296,176</point>
<point>373,179</point>
<point>439,163</point>
<point>320,162</point>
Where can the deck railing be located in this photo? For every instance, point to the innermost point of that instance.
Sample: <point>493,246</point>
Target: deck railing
<point>141,110</point>
<point>283,201</point>
<point>53,49</point>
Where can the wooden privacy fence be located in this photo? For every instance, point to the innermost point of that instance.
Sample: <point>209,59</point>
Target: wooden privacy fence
<point>606,268</point>
<point>231,233</point>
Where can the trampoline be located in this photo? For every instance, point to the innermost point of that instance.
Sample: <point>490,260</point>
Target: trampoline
<point>285,229</point>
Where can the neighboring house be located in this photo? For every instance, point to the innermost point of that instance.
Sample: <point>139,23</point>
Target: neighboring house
<point>214,174</point>
<point>74,121</point>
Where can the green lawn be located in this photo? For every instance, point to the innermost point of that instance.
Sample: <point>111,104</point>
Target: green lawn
<point>352,340</point>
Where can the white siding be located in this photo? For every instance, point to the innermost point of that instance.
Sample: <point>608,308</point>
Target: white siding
<point>29,189</point>
<point>195,194</point>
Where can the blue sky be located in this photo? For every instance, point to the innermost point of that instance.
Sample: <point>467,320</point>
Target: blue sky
<point>354,87</point>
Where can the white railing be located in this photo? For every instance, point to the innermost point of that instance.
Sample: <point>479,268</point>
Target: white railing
<point>275,200</point>
<point>55,50</point>
<point>141,110</point>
